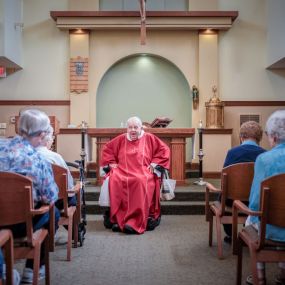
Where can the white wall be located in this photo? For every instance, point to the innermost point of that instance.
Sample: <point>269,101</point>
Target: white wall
<point>276,32</point>
<point>243,55</point>
<point>45,56</point>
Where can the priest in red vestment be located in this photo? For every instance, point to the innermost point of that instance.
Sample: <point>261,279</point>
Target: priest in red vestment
<point>134,187</point>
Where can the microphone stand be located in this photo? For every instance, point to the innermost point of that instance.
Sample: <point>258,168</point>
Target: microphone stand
<point>200,182</point>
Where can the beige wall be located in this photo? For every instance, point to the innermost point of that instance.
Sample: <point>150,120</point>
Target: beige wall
<point>7,112</point>
<point>232,119</point>
<point>238,69</point>
<point>215,147</point>
<point>243,56</point>
<point>106,48</point>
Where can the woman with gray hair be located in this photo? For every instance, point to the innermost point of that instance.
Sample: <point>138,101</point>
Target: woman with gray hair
<point>268,164</point>
<point>20,155</point>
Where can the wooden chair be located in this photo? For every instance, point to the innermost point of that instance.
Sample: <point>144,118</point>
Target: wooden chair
<point>69,217</point>
<point>6,242</point>
<point>272,211</point>
<point>236,182</point>
<point>16,206</point>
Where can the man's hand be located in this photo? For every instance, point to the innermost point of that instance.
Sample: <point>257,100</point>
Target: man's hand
<point>150,168</point>
<point>113,165</point>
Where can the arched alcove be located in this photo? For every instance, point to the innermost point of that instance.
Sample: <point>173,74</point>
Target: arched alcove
<point>144,85</point>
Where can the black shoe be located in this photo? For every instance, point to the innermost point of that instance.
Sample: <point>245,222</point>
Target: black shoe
<point>107,222</point>
<point>129,230</point>
<point>152,223</point>
<point>116,228</point>
<point>228,239</point>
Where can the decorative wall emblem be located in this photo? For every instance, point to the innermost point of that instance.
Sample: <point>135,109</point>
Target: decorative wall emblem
<point>79,74</point>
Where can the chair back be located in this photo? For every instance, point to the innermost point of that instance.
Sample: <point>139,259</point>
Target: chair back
<point>236,181</point>
<point>16,201</point>
<point>60,177</point>
<point>272,203</point>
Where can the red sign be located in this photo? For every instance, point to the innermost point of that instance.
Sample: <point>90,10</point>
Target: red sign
<point>2,71</point>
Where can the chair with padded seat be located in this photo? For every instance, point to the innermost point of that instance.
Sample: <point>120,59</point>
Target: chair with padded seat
<point>16,206</point>
<point>272,212</point>
<point>236,182</point>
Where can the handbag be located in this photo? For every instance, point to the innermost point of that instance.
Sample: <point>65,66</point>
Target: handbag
<point>167,187</point>
<point>104,197</point>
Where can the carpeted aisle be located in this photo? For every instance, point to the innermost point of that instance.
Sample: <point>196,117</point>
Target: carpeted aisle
<point>176,252</point>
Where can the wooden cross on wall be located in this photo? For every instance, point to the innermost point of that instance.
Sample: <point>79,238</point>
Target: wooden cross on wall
<point>143,19</point>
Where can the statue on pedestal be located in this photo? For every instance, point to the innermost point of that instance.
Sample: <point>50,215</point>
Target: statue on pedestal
<point>214,111</point>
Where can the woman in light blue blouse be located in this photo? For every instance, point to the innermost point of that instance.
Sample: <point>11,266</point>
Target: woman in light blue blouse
<point>268,164</point>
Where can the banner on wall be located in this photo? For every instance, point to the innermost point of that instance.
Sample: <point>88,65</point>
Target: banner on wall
<point>79,75</point>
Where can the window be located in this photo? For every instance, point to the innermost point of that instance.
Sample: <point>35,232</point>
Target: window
<point>151,5</point>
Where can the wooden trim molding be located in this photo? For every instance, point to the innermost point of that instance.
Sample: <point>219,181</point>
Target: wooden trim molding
<point>56,14</point>
<point>162,20</point>
<point>192,165</point>
<point>35,102</point>
<point>253,103</point>
<point>217,131</point>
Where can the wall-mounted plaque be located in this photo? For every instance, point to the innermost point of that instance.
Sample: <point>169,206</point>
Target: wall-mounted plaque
<point>79,74</point>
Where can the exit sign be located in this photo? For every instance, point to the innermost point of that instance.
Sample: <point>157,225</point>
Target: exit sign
<point>2,71</point>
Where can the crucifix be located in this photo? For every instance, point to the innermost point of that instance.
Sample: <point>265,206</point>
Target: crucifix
<point>143,18</point>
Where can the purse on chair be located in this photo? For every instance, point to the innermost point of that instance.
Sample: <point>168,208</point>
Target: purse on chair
<point>104,198</point>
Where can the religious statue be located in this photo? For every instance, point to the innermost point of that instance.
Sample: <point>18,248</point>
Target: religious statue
<point>214,111</point>
<point>195,97</point>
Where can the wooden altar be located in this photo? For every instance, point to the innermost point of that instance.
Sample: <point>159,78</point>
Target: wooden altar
<point>175,138</point>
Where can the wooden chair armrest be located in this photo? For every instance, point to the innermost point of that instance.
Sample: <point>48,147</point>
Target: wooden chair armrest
<point>213,189</point>
<point>5,235</point>
<point>75,189</point>
<point>239,206</point>
<point>51,228</point>
<point>41,210</point>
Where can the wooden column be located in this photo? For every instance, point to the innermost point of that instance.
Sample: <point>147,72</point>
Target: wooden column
<point>178,154</point>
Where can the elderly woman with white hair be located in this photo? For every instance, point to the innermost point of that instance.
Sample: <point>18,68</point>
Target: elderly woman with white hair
<point>268,164</point>
<point>133,186</point>
<point>20,155</point>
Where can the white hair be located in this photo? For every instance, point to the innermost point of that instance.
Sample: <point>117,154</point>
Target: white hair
<point>32,122</point>
<point>275,126</point>
<point>48,138</point>
<point>135,120</point>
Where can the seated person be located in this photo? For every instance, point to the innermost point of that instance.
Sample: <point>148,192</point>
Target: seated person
<point>133,186</point>
<point>20,155</point>
<point>250,136</point>
<point>56,158</point>
<point>269,164</point>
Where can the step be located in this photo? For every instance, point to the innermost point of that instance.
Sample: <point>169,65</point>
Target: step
<point>180,195</point>
<point>189,199</point>
<point>167,208</point>
<point>190,192</point>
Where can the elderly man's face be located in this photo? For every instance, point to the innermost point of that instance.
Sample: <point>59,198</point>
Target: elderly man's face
<point>134,130</point>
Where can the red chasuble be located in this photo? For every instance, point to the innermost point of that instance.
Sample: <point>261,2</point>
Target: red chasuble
<point>134,191</point>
